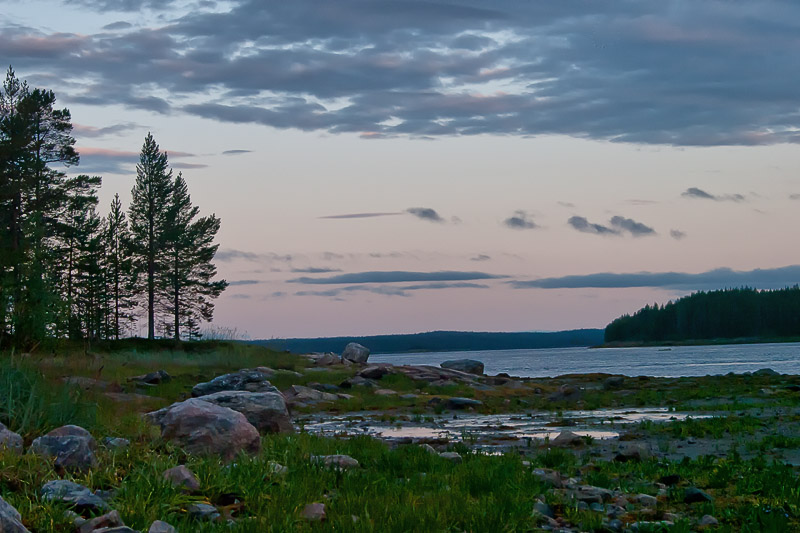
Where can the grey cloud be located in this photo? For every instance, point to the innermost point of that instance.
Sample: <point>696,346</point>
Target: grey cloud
<point>226,255</point>
<point>82,131</point>
<point>119,25</point>
<point>694,192</point>
<point>396,277</point>
<point>566,204</point>
<point>520,220</point>
<point>315,270</point>
<point>189,166</point>
<point>480,257</point>
<point>390,290</point>
<point>583,225</point>
<point>795,196</point>
<point>677,234</point>
<point>360,215</point>
<point>425,213</point>
<point>611,71</point>
<point>240,296</point>
<point>713,279</point>
<point>637,229</point>
<point>244,282</point>
<point>236,152</point>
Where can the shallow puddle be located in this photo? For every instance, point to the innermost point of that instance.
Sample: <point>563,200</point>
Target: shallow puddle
<point>598,424</point>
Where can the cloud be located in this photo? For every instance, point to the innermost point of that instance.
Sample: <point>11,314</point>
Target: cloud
<point>425,213</point>
<point>712,279</point>
<point>520,220</point>
<point>315,270</point>
<point>244,282</point>
<point>636,229</point>
<point>236,152</point>
<point>677,234</point>
<point>480,257</point>
<point>391,290</point>
<point>613,71</point>
<point>795,196</point>
<point>694,192</point>
<point>569,205</point>
<point>396,277</point>
<point>108,161</point>
<point>227,255</point>
<point>185,166</point>
<point>360,215</point>
<point>82,131</point>
<point>119,25</point>
<point>616,226</point>
<point>583,225</point>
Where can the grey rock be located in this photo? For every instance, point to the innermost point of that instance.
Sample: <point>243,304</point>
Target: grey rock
<point>161,527</point>
<point>591,494</point>
<point>633,451</point>
<point>183,478</point>
<point>567,439</point>
<point>452,456</point>
<point>277,469</point>
<point>357,381</point>
<point>204,428</point>
<point>543,509</point>
<point>356,353</point>
<point>152,378</point>
<point>613,383</point>
<point>80,498</point>
<point>341,462</point>
<point>548,477</point>
<point>375,371</point>
<point>695,495</point>
<point>615,524</point>
<point>327,359</point>
<point>108,520</point>
<point>115,529</point>
<point>203,512</point>
<point>10,440</point>
<point>245,380</point>
<point>116,443</point>
<point>70,447</point>
<point>314,512</point>
<point>647,500</point>
<point>428,448</point>
<point>324,387</point>
<point>470,366</point>
<point>462,403</point>
<point>708,520</point>
<point>301,394</point>
<point>565,393</point>
<point>10,519</point>
<point>265,410</point>
<point>85,383</point>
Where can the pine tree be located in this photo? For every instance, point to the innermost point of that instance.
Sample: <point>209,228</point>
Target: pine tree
<point>147,214</point>
<point>190,249</point>
<point>118,270</point>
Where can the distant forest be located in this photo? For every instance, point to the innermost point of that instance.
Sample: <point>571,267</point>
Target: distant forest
<point>723,314</point>
<point>443,341</point>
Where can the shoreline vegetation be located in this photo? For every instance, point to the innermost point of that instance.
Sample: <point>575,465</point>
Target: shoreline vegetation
<point>699,342</point>
<point>727,461</point>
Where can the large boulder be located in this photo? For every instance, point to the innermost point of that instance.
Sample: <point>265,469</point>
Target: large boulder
<point>204,428</point>
<point>265,410</point>
<point>356,353</point>
<point>300,394</point>
<point>70,447</point>
<point>10,519</point>
<point>245,380</point>
<point>78,497</point>
<point>10,441</point>
<point>470,366</point>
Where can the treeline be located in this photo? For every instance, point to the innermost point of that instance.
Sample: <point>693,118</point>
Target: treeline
<point>442,341</point>
<point>722,314</point>
<point>67,271</point>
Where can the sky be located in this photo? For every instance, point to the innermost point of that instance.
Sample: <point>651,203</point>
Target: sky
<point>396,166</point>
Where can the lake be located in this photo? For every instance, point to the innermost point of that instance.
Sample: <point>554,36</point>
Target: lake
<point>652,361</point>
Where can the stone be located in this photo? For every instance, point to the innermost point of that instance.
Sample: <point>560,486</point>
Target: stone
<point>108,520</point>
<point>356,353</point>
<point>161,527</point>
<point>548,477</point>
<point>265,410</point>
<point>451,456</point>
<point>375,371</point>
<point>461,403</point>
<point>324,387</point>
<point>327,359</point>
<point>341,462</point>
<point>613,383</point>
<point>116,443</point>
<point>647,500</point>
<point>590,494</point>
<point>152,378</point>
<point>301,394</point>
<point>70,447</point>
<point>470,366</point>
<point>565,393</point>
<point>385,392</point>
<point>129,397</point>
<point>10,440</point>
<point>616,524</point>
<point>276,469</point>
<point>567,439</point>
<point>428,448</point>
<point>183,478</point>
<point>633,451</point>
<point>708,521</point>
<point>203,512</point>
<point>541,508</point>
<point>80,498</point>
<point>695,495</point>
<point>85,383</point>
<point>115,529</point>
<point>245,380</point>
<point>314,512</point>
<point>204,428</point>
<point>10,519</point>
<point>357,381</point>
